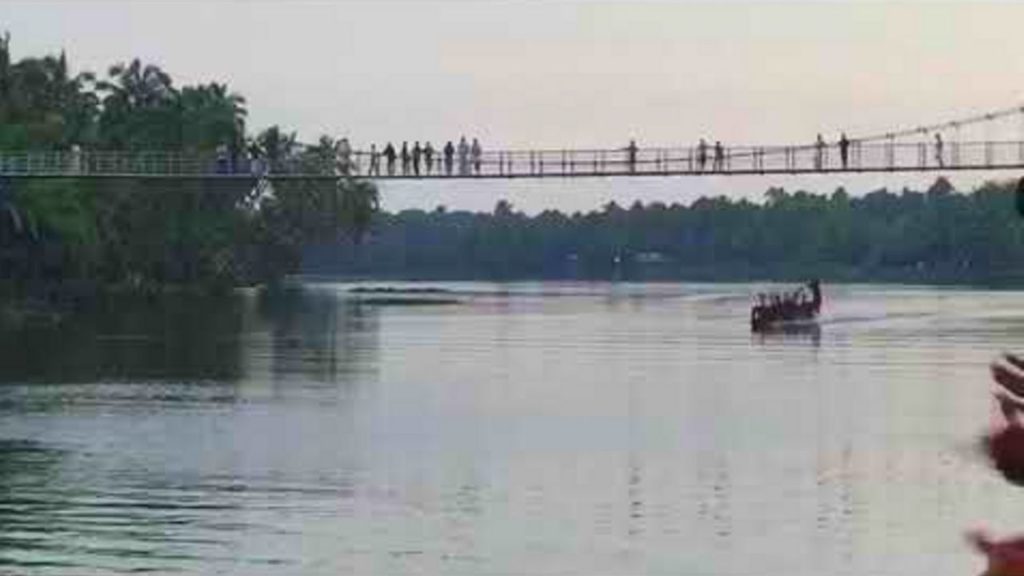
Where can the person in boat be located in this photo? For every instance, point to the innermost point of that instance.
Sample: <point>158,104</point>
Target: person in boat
<point>796,305</point>
<point>815,287</point>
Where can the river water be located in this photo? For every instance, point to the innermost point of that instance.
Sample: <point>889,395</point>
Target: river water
<point>548,429</point>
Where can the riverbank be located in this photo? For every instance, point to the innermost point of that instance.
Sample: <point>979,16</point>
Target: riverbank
<point>1010,279</point>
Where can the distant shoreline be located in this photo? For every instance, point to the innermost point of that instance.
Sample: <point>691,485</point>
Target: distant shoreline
<point>379,283</point>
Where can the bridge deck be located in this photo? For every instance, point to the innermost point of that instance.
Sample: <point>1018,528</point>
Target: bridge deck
<point>875,157</point>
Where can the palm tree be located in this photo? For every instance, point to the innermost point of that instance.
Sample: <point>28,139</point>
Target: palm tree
<point>212,116</point>
<point>139,107</point>
<point>73,97</point>
<point>276,147</point>
<point>137,86</point>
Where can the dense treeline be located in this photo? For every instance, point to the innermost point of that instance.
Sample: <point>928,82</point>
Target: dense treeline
<point>938,235</point>
<point>143,233</point>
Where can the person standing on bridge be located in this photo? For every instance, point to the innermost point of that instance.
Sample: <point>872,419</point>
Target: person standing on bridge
<point>374,169</point>
<point>389,154</point>
<point>417,153</point>
<point>449,158</point>
<point>463,157</point>
<point>819,153</point>
<point>702,155</point>
<point>844,150</point>
<point>477,152</point>
<point>428,157</point>
<point>344,157</point>
<point>222,158</point>
<point>405,158</point>
<point>76,159</point>
<point>719,156</point>
<point>256,165</point>
<point>938,150</point>
<point>631,155</point>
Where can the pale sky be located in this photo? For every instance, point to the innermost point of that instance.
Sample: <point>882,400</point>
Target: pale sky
<point>561,73</point>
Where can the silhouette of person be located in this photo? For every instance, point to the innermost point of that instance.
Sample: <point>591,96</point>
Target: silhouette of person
<point>819,153</point>
<point>463,157</point>
<point>476,152</point>
<point>428,157</point>
<point>938,150</point>
<point>389,154</point>
<point>405,158</point>
<point>222,159</point>
<point>719,156</point>
<point>702,155</point>
<point>844,150</point>
<point>374,161</point>
<point>256,164</point>
<point>417,152</point>
<point>449,158</point>
<point>344,156</point>
<point>631,156</point>
<point>76,159</point>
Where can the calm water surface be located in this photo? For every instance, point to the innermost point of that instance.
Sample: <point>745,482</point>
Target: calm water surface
<point>530,429</point>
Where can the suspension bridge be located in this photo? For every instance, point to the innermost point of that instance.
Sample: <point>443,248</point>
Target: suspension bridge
<point>947,146</point>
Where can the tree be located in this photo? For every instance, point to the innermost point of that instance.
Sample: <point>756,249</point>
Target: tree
<point>147,234</point>
<point>140,108</point>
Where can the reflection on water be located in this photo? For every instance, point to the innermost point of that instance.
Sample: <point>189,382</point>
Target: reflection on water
<point>127,338</point>
<point>534,429</point>
<point>118,453</point>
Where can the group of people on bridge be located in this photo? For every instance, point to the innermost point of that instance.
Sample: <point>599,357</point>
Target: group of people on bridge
<point>720,156</point>
<point>466,158</point>
<point>420,160</point>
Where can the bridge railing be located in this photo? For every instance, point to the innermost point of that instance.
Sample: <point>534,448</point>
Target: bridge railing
<point>811,158</point>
